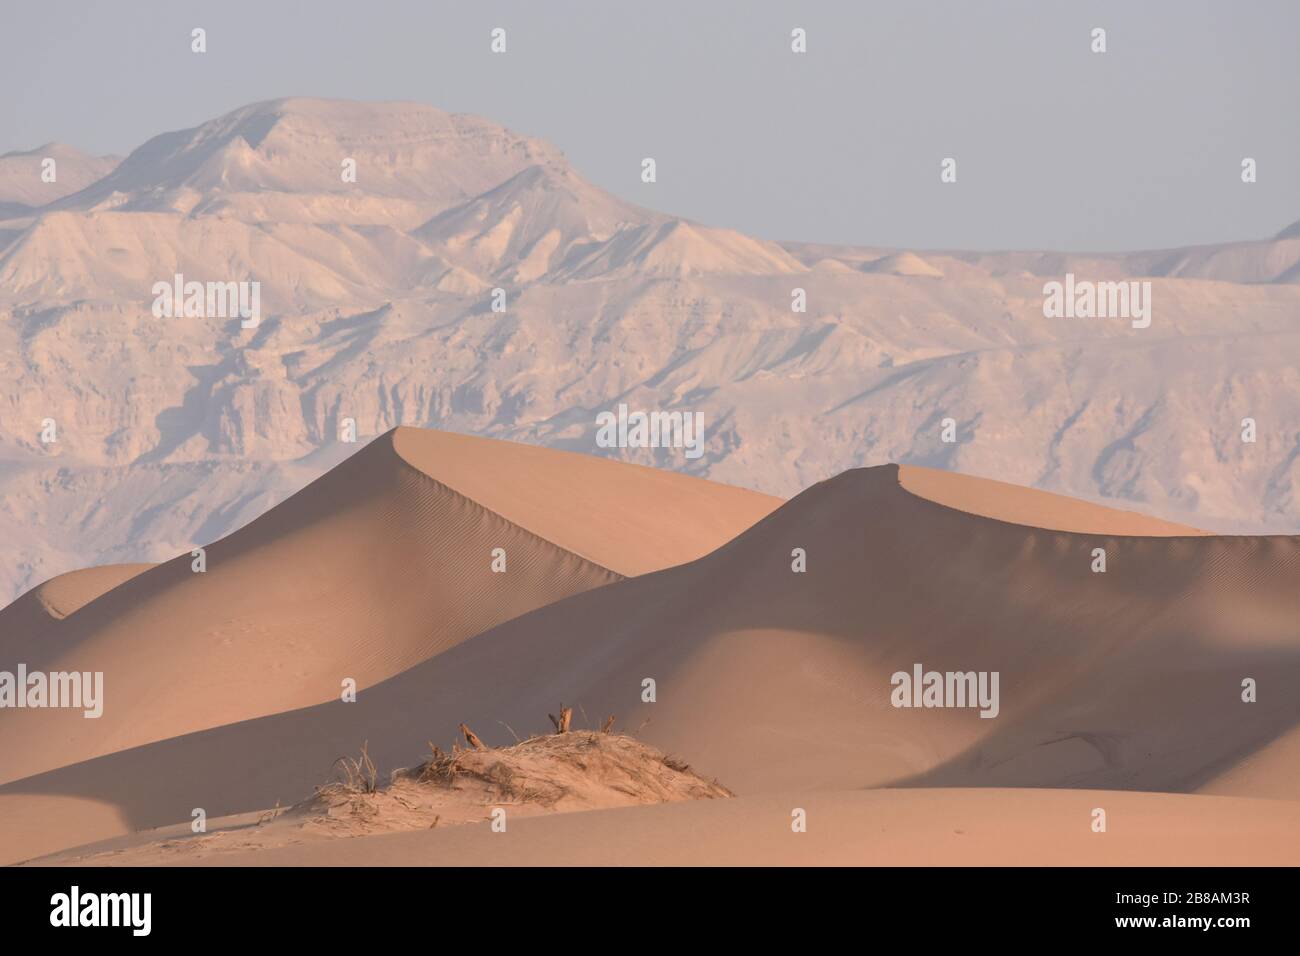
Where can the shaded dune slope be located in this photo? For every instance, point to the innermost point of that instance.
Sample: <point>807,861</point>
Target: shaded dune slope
<point>26,623</point>
<point>1030,506</point>
<point>773,680</point>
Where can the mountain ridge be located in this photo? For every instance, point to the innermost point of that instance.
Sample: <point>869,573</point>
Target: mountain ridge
<point>380,306</point>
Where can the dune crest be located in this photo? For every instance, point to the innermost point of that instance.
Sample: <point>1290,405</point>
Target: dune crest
<point>1030,506</point>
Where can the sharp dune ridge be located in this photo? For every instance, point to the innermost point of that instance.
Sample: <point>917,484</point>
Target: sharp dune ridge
<point>773,681</point>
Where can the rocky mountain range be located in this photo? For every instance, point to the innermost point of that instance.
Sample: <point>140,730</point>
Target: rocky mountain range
<point>422,268</point>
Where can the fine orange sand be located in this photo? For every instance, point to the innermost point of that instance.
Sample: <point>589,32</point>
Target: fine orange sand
<point>988,827</point>
<point>772,681</point>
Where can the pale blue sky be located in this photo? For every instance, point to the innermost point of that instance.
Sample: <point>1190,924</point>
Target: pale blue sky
<point>1056,147</point>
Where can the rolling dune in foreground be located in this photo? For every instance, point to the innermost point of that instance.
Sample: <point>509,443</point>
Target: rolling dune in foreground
<point>772,681</point>
<point>988,827</point>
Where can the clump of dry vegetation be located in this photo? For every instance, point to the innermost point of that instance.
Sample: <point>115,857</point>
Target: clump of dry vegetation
<point>564,771</point>
<point>359,774</point>
<point>577,768</point>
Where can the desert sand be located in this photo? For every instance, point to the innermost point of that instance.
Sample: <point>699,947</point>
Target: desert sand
<point>771,681</point>
<point>986,827</point>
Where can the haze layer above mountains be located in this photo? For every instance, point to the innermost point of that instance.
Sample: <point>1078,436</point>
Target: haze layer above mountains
<point>376,304</point>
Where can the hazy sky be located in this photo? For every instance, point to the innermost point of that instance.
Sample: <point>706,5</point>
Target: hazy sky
<point>1057,147</point>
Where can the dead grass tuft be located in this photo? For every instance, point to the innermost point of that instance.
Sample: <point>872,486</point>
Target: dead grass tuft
<point>356,775</point>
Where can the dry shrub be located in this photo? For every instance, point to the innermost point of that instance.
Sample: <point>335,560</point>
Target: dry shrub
<point>357,775</point>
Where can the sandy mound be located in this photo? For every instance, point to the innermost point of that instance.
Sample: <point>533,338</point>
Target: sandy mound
<point>558,773</point>
<point>578,770</point>
<point>66,593</point>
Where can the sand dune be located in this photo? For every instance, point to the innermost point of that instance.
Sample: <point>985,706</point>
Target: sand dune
<point>381,564</point>
<point>774,681</point>
<point>405,151</point>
